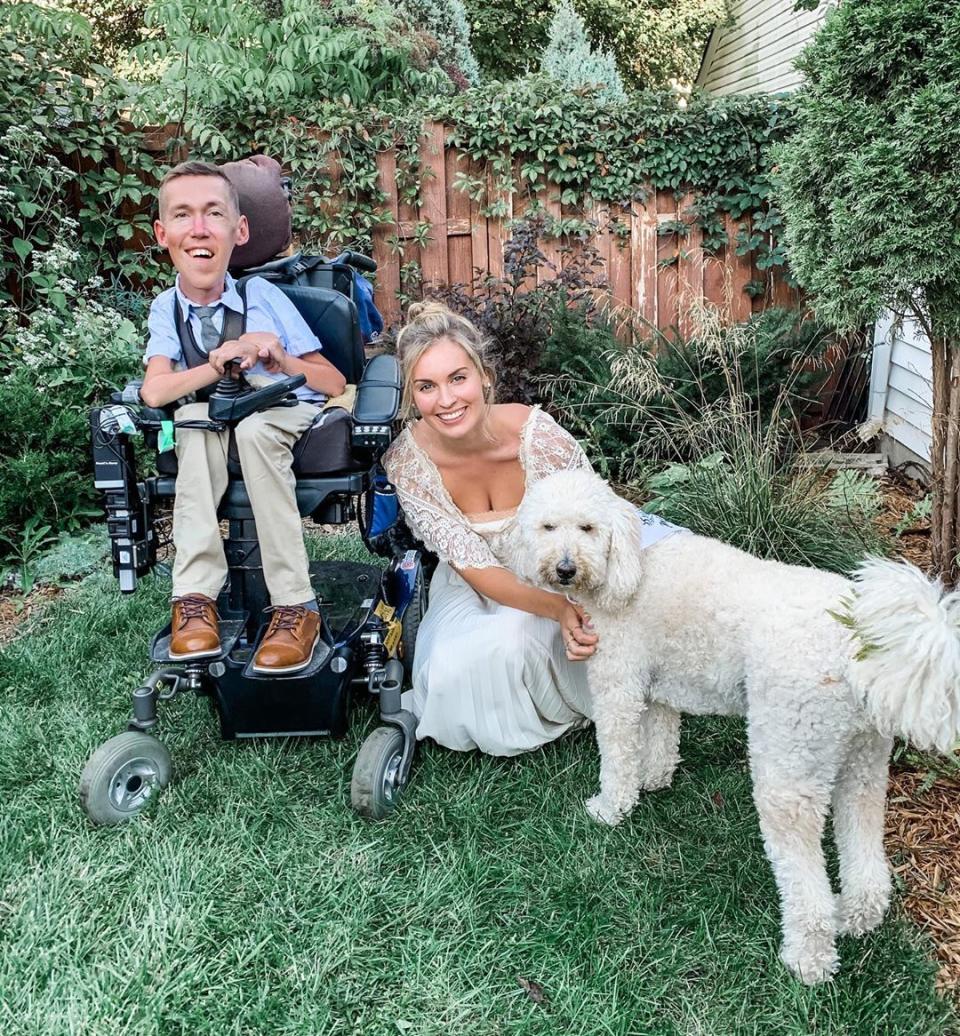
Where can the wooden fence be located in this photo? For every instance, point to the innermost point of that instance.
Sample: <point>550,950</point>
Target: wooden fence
<point>663,277</point>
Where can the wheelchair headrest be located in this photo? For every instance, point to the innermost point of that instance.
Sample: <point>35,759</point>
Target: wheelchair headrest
<point>265,201</point>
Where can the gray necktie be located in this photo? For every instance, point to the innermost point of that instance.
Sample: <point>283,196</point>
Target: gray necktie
<point>209,335</point>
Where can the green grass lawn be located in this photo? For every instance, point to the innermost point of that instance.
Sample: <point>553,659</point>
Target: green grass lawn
<point>251,900</point>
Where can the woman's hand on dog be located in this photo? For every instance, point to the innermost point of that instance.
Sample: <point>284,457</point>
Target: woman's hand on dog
<point>578,637</point>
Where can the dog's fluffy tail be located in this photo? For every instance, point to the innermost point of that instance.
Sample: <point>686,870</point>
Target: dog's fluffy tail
<point>907,668</point>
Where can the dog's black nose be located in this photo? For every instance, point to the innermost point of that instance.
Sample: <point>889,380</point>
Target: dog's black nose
<point>566,570</point>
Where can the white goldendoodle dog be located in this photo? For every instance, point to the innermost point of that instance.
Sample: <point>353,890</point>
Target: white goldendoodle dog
<point>693,625</point>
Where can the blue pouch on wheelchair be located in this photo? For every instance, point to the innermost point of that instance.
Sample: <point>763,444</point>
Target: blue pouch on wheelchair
<point>385,509</point>
<point>371,322</point>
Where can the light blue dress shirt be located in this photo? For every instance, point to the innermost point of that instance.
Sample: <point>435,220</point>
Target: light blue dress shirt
<point>268,309</point>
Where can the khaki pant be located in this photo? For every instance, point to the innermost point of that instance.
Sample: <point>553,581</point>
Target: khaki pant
<point>264,444</point>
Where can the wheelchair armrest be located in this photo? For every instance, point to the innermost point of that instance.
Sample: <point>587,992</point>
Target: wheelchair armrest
<point>378,394</point>
<point>129,394</point>
<point>147,416</point>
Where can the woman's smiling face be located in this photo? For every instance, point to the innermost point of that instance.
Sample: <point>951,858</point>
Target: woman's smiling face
<point>448,390</point>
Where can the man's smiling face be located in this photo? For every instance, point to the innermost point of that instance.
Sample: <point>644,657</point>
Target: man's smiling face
<point>199,226</point>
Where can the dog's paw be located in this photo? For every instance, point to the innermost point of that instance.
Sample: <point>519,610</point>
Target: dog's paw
<point>864,912</point>
<point>602,812</point>
<point>812,960</point>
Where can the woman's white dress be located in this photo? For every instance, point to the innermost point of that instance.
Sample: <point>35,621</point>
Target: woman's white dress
<point>485,676</point>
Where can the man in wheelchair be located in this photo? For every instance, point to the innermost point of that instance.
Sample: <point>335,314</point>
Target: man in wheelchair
<point>259,455</point>
<point>258,331</point>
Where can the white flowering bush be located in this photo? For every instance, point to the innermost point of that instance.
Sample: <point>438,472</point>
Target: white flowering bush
<point>32,203</point>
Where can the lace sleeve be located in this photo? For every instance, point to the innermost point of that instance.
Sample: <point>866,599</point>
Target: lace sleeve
<point>431,514</point>
<point>546,447</point>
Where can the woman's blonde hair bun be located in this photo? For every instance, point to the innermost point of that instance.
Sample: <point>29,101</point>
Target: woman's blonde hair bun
<point>429,321</point>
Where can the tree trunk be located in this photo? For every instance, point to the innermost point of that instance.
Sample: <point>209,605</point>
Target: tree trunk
<point>945,457</point>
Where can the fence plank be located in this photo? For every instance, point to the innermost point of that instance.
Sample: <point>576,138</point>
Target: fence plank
<point>521,206</point>
<point>690,271</point>
<point>549,198</point>
<point>388,267</point>
<point>479,250</point>
<point>433,205</point>
<point>741,273</point>
<point>666,265</point>
<point>459,247</point>
<point>600,214</point>
<point>497,227</point>
<point>618,272</point>
<point>643,246</point>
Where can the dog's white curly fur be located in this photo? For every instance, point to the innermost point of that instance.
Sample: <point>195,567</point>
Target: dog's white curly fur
<point>693,625</point>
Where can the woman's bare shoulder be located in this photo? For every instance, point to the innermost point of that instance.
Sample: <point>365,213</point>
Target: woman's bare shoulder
<point>512,416</point>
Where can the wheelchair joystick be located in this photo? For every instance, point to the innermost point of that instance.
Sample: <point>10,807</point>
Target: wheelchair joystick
<point>234,398</point>
<point>230,386</point>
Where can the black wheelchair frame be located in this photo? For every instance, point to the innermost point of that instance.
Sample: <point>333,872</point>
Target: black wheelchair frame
<point>369,616</point>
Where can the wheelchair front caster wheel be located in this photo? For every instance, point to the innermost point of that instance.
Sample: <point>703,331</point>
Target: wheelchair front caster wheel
<point>376,785</point>
<point>122,776</point>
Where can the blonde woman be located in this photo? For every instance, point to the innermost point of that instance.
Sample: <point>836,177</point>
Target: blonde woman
<point>497,665</point>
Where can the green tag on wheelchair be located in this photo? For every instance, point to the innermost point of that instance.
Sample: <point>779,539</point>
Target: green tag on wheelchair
<point>165,439</point>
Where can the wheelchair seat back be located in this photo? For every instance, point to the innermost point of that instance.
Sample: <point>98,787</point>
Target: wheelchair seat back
<point>332,317</point>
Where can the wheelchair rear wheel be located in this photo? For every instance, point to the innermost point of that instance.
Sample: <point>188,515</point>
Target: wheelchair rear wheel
<point>122,776</point>
<point>376,785</point>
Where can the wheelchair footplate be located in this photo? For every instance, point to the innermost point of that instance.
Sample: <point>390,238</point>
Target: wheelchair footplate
<point>230,632</point>
<point>315,700</point>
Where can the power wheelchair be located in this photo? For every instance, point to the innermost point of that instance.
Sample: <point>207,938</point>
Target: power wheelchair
<point>370,615</point>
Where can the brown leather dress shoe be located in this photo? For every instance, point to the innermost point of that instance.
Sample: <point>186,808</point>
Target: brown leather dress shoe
<point>290,639</point>
<point>195,630</point>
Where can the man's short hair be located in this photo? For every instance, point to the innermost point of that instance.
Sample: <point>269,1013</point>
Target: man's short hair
<point>199,169</point>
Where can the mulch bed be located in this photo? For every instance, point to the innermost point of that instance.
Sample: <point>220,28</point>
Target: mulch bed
<point>923,841</point>
<point>923,802</point>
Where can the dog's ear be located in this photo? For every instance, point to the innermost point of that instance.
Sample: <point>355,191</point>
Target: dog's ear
<point>622,577</point>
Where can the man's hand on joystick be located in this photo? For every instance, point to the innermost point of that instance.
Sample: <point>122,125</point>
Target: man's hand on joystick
<point>244,352</point>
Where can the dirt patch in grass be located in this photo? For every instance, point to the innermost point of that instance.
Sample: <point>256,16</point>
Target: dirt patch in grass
<point>901,495</point>
<point>15,609</point>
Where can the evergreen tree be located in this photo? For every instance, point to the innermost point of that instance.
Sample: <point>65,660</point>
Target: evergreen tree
<point>570,60</point>
<point>446,21</point>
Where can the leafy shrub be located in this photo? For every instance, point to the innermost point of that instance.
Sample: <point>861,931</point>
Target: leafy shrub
<point>54,363</point>
<point>242,62</point>
<point>63,142</point>
<point>769,364</point>
<point>571,60</point>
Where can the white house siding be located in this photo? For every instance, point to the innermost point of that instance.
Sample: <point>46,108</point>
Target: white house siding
<point>755,53</point>
<point>901,389</point>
